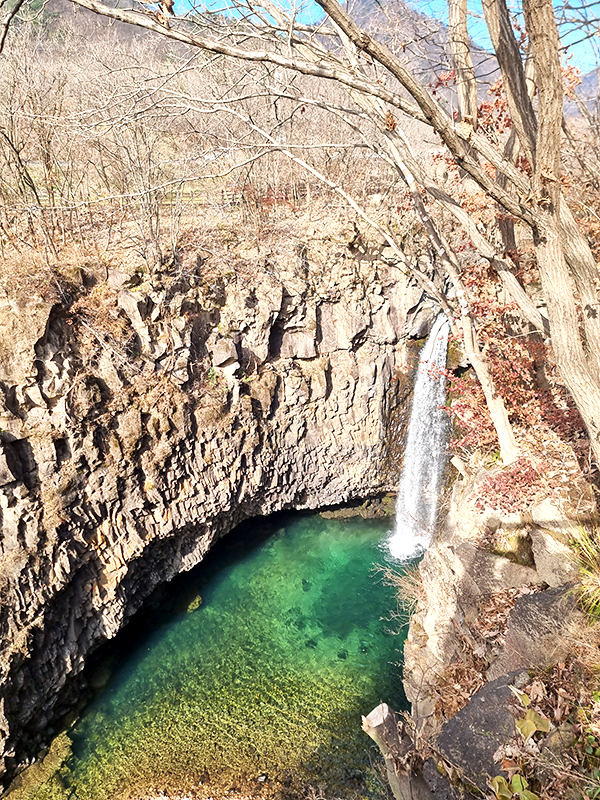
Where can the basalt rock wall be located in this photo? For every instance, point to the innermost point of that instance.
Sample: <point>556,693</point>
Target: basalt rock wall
<point>142,418</point>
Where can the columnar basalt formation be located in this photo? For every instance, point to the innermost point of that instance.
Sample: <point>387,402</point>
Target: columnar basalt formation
<point>141,422</point>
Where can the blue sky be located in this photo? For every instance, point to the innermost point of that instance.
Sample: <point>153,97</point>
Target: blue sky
<point>583,52</point>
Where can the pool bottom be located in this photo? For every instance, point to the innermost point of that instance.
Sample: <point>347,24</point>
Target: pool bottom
<point>258,686</point>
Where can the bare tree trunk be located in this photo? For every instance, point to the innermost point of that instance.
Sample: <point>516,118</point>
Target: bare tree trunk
<point>582,264</point>
<point>7,17</point>
<point>387,733</point>
<point>509,450</point>
<point>559,291</point>
<point>513,74</point>
<point>559,284</point>
<point>567,266</point>
<point>463,61</point>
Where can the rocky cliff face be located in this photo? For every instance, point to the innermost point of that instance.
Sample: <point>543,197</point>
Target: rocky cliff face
<point>496,607</point>
<point>141,422</point>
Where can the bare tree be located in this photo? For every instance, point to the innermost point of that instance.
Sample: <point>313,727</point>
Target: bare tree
<point>8,11</point>
<point>381,100</point>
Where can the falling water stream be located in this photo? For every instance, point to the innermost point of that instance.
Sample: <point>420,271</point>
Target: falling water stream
<point>256,670</point>
<point>425,452</point>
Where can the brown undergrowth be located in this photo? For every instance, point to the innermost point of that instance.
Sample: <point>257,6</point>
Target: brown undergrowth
<point>555,752</point>
<point>556,747</point>
<point>459,681</point>
<point>464,676</point>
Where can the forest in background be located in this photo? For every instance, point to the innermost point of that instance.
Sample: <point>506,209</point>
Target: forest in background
<point>121,149</point>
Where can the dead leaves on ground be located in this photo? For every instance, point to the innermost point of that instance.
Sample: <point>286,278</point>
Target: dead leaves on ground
<point>556,748</point>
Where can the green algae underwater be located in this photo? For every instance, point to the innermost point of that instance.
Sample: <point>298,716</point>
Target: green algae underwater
<point>255,675</point>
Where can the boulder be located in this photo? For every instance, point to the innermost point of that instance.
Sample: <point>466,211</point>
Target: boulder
<point>22,324</point>
<point>222,350</point>
<point>537,632</point>
<point>548,515</point>
<point>470,739</point>
<point>555,561</point>
<point>440,786</point>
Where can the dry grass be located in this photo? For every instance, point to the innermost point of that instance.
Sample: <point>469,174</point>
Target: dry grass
<point>408,586</point>
<point>588,589</point>
<point>583,639</point>
<point>29,272</point>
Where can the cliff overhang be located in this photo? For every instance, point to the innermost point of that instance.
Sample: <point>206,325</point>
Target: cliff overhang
<point>143,417</point>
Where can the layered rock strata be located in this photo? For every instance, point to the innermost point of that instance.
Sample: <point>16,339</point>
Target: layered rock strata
<point>141,422</point>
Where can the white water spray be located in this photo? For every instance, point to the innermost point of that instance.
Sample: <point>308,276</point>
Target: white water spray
<point>425,453</point>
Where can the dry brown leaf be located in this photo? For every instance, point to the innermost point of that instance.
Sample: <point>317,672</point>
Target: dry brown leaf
<point>511,767</point>
<point>536,691</point>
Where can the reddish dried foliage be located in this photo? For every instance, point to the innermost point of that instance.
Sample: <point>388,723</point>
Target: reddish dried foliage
<point>571,79</point>
<point>510,489</point>
<point>521,365</point>
<point>493,115</point>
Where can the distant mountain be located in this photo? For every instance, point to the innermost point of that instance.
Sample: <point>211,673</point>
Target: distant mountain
<point>589,86</point>
<point>421,39</point>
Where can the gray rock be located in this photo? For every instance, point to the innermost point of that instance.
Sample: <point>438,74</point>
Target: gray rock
<point>537,632</point>
<point>340,324</point>
<point>298,344</point>
<point>223,351</point>
<point>456,577</point>
<point>133,466</point>
<point>254,314</point>
<point>6,475</point>
<point>419,320</point>
<point>137,306</point>
<point>491,572</point>
<point>119,280</point>
<point>22,324</point>
<point>326,329</point>
<point>381,329</point>
<point>470,739</point>
<point>440,786</point>
<point>555,561</point>
<point>549,515</point>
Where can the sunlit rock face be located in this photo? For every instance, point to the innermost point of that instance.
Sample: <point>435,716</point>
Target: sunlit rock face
<point>141,422</point>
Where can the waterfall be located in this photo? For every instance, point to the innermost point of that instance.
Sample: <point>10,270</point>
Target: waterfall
<point>425,452</point>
